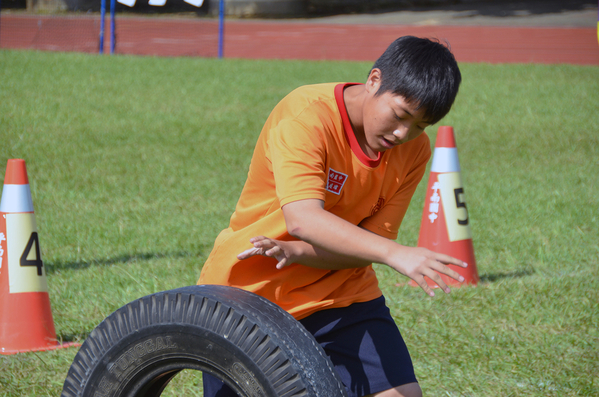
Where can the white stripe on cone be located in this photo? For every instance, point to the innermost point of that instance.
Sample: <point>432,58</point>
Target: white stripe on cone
<point>16,198</point>
<point>445,159</point>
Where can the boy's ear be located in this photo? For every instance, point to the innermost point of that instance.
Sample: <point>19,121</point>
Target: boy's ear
<point>373,82</point>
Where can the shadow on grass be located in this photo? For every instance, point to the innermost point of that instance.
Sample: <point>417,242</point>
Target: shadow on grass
<point>71,338</point>
<point>492,277</point>
<point>54,266</point>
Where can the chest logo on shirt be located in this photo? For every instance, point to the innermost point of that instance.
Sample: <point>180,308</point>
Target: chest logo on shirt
<point>335,181</point>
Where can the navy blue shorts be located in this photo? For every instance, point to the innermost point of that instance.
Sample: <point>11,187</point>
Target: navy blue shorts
<point>363,343</point>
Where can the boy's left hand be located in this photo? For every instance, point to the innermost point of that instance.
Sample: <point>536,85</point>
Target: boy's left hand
<point>270,248</point>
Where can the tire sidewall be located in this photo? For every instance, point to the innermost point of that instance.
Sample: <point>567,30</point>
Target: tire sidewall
<point>248,342</point>
<point>136,357</point>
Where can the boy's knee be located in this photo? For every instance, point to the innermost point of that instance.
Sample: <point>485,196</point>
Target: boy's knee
<point>408,390</point>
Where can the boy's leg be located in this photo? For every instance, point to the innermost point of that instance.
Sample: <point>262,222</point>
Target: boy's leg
<point>214,387</point>
<point>366,348</point>
<point>409,390</point>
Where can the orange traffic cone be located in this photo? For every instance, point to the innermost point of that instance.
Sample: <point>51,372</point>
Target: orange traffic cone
<point>26,322</point>
<point>445,225</point>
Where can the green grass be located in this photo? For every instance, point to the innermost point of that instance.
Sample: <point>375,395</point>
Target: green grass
<point>135,164</point>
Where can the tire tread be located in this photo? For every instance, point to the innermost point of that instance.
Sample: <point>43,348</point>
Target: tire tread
<point>271,338</point>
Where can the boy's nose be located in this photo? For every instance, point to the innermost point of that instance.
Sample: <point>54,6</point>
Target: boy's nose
<point>401,133</point>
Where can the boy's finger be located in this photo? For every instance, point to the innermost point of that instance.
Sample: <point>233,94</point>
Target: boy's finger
<point>449,272</point>
<point>282,263</point>
<point>424,285</point>
<point>248,253</point>
<point>264,244</point>
<point>273,251</point>
<point>439,281</point>
<point>450,260</point>
<point>256,239</point>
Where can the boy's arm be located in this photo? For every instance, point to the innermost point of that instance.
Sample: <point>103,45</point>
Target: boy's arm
<point>297,251</point>
<point>338,244</point>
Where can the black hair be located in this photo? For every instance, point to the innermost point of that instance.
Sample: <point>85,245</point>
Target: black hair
<point>423,71</point>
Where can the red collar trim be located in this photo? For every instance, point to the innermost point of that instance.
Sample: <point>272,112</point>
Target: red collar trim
<point>349,131</point>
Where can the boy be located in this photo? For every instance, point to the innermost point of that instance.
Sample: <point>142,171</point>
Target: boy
<point>331,178</point>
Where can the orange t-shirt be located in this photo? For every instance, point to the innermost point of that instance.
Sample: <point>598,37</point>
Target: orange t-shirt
<point>308,150</point>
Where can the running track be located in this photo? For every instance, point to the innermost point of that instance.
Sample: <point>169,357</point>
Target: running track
<point>293,40</point>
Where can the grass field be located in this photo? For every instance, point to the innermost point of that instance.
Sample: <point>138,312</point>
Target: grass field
<point>135,165</point>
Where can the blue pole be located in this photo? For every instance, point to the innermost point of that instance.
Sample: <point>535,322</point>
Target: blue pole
<point>0,20</point>
<point>102,14</point>
<point>112,26</point>
<point>221,27</point>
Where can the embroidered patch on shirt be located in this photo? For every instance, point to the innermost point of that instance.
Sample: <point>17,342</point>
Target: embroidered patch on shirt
<point>335,181</point>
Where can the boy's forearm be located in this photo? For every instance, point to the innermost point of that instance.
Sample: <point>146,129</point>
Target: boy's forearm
<point>328,234</point>
<point>307,254</point>
<point>308,221</point>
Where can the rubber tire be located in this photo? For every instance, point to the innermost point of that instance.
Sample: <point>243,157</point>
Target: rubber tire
<point>248,342</point>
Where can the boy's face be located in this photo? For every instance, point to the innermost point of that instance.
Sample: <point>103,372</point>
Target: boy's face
<point>389,119</point>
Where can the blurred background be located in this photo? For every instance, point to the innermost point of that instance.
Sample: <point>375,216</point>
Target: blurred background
<point>282,29</point>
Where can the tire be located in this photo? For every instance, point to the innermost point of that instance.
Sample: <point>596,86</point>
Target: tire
<point>241,338</point>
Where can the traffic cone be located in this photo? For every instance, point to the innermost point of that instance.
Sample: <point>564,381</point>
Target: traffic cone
<point>445,227</point>
<point>26,322</point>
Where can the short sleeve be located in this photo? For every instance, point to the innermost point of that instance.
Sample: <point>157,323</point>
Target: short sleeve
<point>298,155</point>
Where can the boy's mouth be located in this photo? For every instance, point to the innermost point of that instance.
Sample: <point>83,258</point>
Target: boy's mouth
<point>389,144</point>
